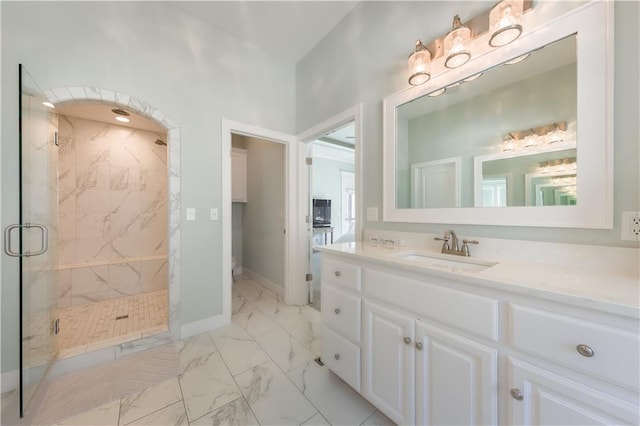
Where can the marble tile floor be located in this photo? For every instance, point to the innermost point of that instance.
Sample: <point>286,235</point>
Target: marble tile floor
<point>259,370</point>
<point>92,326</point>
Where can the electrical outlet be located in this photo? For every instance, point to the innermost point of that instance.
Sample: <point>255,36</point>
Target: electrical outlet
<point>630,226</point>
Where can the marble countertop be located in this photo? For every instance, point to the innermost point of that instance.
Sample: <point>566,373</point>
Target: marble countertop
<point>604,291</point>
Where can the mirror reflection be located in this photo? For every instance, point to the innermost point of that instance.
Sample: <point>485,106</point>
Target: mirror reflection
<point>502,138</point>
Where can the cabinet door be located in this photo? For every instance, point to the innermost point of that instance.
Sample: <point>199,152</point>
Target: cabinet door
<point>538,396</point>
<point>457,378</point>
<point>389,362</point>
<point>239,175</point>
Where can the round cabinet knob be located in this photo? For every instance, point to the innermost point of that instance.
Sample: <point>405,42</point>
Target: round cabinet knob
<point>337,273</point>
<point>337,311</point>
<point>585,351</point>
<point>337,356</point>
<point>419,346</point>
<point>517,394</point>
<point>407,340</point>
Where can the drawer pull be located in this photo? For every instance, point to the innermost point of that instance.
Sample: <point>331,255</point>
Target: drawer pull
<point>517,394</point>
<point>585,351</point>
<point>407,340</point>
<point>337,273</point>
<point>337,311</point>
<point>337,356</point>
<point>419,346</point>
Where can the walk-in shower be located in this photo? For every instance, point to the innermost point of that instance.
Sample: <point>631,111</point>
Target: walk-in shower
<point>112,228</point>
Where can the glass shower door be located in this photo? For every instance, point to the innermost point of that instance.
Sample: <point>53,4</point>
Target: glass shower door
<point>34,237</point>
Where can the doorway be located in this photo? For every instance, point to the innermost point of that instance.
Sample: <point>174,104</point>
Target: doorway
<point>258,206</point>
<point>331,152</point>
<point>332,192</point>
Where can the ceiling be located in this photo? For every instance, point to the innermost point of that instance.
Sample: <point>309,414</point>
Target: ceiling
<point>286,29</point>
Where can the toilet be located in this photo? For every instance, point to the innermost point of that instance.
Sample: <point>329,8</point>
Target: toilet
<point>233,267</point>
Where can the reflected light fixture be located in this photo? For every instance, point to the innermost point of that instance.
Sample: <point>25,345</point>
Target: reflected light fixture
<point>48,104</point>
<point>473,77</point>
<point>518,59</point>
<point>122,119</point>
<point>456,44</point>
<point>509,144</point>
<point>504,22</point>
<point>437,92</point>
<point>419,65</point>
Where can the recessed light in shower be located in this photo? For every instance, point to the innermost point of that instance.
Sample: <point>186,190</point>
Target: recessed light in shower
<point>122,119</point>
<point>120,111</point>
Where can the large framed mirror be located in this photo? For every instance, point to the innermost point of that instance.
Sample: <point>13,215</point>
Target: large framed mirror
<point>520,136</point>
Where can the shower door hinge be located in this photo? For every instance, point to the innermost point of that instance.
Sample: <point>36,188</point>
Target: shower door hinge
<point>308,161</point>
<point>308,277</point>
<point>55,139</point>
<point>306,219</point>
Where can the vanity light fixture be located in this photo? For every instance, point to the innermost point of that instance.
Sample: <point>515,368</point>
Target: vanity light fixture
<point>509,144</point>
<point>48,104</point>
<point>504,22</point>
<point>518,59</point>
<point>473,77</point>
<point>554,136</point>
<point>456,44</point>
<point>419,65</point>
<point>530,140</point>
<point>437,92</point>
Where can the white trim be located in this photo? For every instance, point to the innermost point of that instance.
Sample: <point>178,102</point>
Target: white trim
<point>291,290</point>
<point>204,325</point>
<point>10,380</point>
<point>265,282</point>
<point>305,138</point>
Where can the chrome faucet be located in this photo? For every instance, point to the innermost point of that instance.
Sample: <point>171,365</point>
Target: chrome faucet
<point>454,247</point>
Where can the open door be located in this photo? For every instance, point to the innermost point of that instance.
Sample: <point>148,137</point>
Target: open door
<point>33,240</point>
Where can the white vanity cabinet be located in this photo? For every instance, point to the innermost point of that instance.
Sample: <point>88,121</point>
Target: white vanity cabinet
<point>542,397</point>
<point>389,362</point>
<point>418,373</point>
<point>341,316</point>
<point>598,352</point>
<point>435,350</point>
<point>238,175</point>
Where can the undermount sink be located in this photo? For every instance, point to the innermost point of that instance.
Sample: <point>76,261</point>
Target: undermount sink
<point>444,262</point>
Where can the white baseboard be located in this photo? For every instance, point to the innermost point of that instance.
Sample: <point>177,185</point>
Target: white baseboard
<point>10,380</point>
<point>277,289</point>
<point>203,325</point>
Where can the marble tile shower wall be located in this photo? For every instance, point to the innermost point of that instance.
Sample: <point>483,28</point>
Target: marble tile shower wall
<point>112,211</point>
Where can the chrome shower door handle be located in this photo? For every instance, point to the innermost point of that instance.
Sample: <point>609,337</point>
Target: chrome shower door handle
<point>44,240</point>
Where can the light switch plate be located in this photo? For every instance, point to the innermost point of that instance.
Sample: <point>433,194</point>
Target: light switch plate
<point>191,213</point>
<point>213,214</point>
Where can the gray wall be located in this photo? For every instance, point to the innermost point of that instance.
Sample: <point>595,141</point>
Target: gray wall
<point>194,74</point>
<point>372,44</point>
<point>263,223</point>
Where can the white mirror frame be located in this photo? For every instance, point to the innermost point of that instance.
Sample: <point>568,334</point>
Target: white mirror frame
<point>593,24</point>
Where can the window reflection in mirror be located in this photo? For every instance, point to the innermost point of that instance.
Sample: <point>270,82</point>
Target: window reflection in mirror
<point>485,122</point>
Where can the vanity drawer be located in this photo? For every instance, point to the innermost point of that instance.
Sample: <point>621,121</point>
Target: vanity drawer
<point>477,315</point>
<point>341,312</point>
<point>342,357</point>
<point>341,273</point>
<point>556,337</point>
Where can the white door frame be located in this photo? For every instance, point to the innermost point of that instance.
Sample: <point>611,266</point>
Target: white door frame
<point>289,141</point>
<point>305,138</point>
